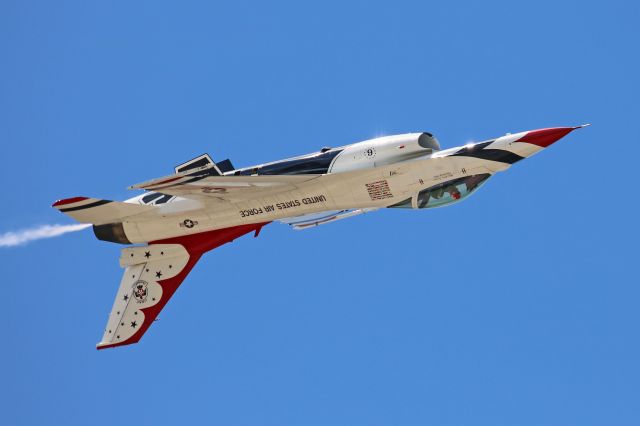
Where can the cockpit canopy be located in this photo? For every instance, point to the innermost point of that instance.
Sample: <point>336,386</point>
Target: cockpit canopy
<point>444,193</point>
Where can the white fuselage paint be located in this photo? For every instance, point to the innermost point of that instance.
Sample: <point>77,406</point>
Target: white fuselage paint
<point>370,174</point>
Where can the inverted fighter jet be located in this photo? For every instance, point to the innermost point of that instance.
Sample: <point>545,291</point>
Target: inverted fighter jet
<point>205,204</point>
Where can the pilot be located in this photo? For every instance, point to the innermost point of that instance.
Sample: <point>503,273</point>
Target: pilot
<point>453,191</point>
<point>437,193</point>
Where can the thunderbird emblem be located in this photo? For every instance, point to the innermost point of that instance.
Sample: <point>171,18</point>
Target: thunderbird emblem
<point>140,291</point>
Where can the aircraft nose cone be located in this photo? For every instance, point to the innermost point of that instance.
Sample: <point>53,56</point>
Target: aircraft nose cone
<point>545,137</point>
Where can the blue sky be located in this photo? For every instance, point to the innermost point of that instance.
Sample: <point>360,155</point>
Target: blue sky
<point>517,307</point>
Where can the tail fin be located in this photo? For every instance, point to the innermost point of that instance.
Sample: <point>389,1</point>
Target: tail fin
<point>97,211</point>
<point>153,273</point>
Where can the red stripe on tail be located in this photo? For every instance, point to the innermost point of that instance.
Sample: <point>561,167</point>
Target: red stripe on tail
<point>196,245</point>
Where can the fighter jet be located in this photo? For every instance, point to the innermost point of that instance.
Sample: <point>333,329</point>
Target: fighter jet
<point>206,204</point>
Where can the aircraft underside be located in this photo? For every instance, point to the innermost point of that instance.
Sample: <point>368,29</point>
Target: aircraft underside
<point>207,204</point>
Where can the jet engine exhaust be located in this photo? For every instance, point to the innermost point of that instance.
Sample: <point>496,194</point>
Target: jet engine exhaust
<point>112,232</point>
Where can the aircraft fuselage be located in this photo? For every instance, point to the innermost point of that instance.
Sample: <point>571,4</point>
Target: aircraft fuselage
<point>391,171</point>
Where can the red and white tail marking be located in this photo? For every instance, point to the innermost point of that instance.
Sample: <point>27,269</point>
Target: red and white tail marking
<point>153,273</point>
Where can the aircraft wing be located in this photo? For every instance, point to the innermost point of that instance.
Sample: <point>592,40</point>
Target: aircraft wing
<point>223,188</point>
<point>152,274</point>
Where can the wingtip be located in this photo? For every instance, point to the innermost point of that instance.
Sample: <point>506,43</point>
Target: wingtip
<point>582,125</point>
<point>65,201</point>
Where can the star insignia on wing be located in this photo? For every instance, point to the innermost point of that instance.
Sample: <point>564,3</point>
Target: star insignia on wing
<point>188,223</point>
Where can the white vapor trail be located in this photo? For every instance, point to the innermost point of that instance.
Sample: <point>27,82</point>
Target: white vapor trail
<point>24,236</point>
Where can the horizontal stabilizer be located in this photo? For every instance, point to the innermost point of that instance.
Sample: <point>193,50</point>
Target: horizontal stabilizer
<point>97,211</point>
